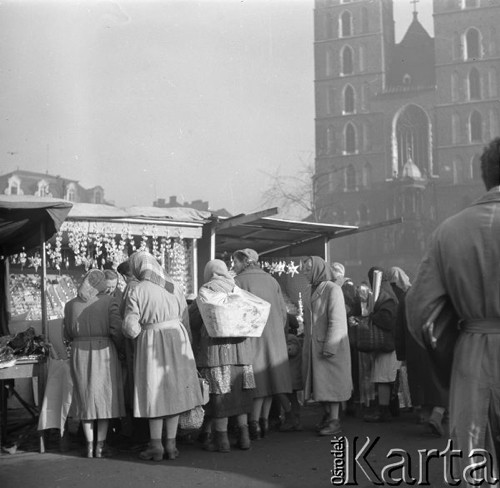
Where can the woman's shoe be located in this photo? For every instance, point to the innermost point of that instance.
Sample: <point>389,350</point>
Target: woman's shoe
<point>90,450</point>
<point>381,415</point>
<point>254,430</point>
<point>152,453</point>
<point>208,443</point>
<point>171,449</point>
<point>99,447</point>
<point>222,441</point>
<point>322,424</point>
<point>264,427</point>
<point>243,437</point>
<point>289,423</point>
<point>331,428</point>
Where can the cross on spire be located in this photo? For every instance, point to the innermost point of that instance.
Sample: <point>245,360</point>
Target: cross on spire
<point>415,13</point>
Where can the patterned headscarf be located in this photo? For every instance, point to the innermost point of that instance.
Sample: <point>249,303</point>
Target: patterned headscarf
<point>145,267</point>
<point>320,271</point>
<point>399,278</point>
<point>217,276</point>
<point>94,282</point>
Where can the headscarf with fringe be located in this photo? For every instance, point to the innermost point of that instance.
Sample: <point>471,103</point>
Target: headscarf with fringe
<point>145,267</point>
<point>94,282</point>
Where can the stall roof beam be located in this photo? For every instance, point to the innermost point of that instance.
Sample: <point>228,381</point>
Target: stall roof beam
<point>245,219</point>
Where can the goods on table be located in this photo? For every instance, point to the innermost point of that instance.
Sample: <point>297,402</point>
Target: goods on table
<point>25,295</point>
<point>235,314</point>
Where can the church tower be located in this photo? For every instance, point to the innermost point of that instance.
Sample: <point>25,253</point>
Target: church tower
<point>467,70</point>
<point>399,126</point>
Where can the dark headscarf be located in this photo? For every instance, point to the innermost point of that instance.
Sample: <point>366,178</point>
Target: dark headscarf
<point>145,267</point>
<point>217,276</point>
<point>94,282</point>
<point>320,271</point>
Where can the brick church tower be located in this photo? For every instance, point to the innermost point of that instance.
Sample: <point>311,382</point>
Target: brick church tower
<point>399,126</point>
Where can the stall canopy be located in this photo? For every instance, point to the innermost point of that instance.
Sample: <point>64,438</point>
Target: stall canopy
<point>268,235</point>
<point>21,219</point>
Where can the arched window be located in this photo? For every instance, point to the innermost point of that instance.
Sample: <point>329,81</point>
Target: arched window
<point>345,24</point>
<point>365,96</point>
<point>330,140</point>
<point>361,56</point>
<point>493,45</point>
<point>350,139</point>
<point>350,174</point>
<point>406,79</point>
<point>97,195</point>
<point>321,140</point>
<point>331,100</point>
<point>472,44</point>
<point>347,61</point>
<point>14,186</point>
<point>366,175</point>
<point>413,140</point>
<point>454,87</point>
<point>455,129</point>
<point>348,99</point>
<point>474,85</point>
<point>43,189</point>
<point>476,167</point>
<point>70,192</point>
<point>476,127</point>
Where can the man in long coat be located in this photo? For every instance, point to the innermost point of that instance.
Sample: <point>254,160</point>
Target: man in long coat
<point>463,264</point>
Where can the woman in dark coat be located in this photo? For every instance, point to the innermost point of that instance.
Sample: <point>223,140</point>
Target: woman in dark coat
<point>426,392</point>
<point>226,363</point>
<point>386,365</point>
<point>270,363</point>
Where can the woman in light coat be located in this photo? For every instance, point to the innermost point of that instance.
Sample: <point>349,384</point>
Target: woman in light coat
<point>327,357</point>
<point>165,378</point>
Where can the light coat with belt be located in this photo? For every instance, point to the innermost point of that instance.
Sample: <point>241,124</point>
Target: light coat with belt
<point>327,379</point>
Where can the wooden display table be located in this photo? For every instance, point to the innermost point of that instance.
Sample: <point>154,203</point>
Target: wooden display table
<point>25,367</point>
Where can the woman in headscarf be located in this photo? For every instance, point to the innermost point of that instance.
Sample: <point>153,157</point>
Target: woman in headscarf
<point>270,362</point>
<point>327,356</point>
<point>385,364</point>
<point>165,378</point>
<point>95,368</point>
<point>226,363</point>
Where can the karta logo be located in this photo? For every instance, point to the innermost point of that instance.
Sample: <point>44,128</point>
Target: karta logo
<point>350,464</point>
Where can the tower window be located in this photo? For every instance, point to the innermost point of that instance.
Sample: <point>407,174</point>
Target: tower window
<point>454,86</point>
<point>349,100</point>
<point>476,127</point>
<point>406,79</point>
<point>345,24</point>
<point>347,61</point>
<point>330,140</point>
<point>331,100</point>
<point>472,44</point>
<point>470,3</point>
<point>474,85</point>
<point>350,139</point>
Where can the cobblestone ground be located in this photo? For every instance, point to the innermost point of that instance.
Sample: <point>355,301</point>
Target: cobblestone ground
<point>288,460</point>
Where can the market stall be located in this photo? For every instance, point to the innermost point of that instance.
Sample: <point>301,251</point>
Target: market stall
<point>25,223</point>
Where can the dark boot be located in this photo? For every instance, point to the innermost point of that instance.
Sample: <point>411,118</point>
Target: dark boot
<point>243,437</point>
<point>288,424</point>
<point>208,442</point>
<point>222,441</point>
<point>254,430</point>
<point>264,427</point>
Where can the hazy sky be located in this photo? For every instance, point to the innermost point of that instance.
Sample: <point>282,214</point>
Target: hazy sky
<point>199,99</point>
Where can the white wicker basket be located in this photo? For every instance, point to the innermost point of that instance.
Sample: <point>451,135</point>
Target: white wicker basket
<point>235,314</point>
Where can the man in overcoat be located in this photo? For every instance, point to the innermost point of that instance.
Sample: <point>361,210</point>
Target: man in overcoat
<point>463,264</point>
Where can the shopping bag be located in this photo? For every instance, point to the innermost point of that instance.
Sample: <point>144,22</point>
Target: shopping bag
<point>370,338</point>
